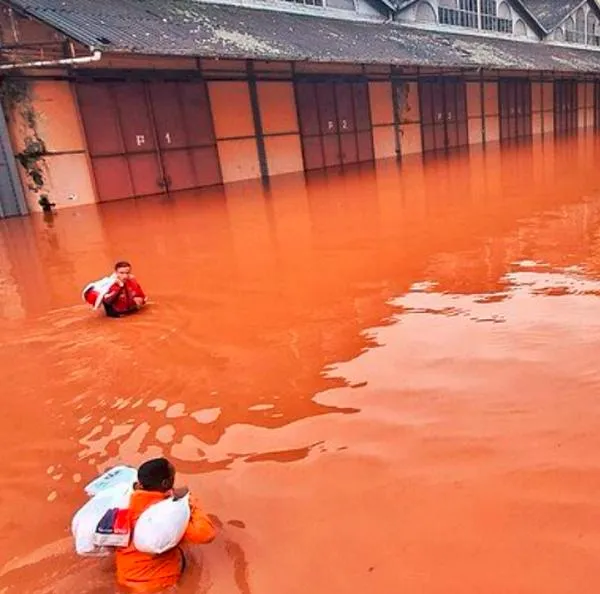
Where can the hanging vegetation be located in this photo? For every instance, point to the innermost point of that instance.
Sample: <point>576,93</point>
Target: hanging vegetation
<point>15,95</point>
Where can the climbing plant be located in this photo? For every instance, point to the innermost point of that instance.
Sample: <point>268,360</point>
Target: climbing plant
<point>15,94</point>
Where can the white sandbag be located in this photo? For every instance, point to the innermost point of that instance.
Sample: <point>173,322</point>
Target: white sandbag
<point>116,475</point>
<point>85,521</point>
<point>162,526</point>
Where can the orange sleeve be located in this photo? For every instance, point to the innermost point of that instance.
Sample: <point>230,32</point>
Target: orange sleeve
<point>200,529</point>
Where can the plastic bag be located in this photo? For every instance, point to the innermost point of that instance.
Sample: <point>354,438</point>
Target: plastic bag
<point>162,526</point>
<point>86,520</point>
<point>114,476</point>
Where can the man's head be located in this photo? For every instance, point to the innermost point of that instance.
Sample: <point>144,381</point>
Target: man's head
<point>156,475</point>
<point>123,270</point>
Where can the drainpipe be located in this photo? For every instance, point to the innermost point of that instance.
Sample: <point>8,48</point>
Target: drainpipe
<point>95,57</point>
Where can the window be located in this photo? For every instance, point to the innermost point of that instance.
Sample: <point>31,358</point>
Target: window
<point>570,30</point>
<point>425,13</point>
<point>505,21</point>
<point>520,29</point>
<point>463,16</point>
<point>488,15</point>
<point>466,15</point>
<point>593,36</point>
<point>575,29</point>
<point>469,7</point>
<point>580,26</point>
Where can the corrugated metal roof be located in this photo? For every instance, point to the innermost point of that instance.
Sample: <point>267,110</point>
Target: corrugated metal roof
<point>192,27</point>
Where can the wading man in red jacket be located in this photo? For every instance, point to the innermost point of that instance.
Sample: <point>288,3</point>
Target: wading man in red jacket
<point>125,295</point>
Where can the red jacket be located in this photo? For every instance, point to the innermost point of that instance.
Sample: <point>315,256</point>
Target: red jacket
<point>121,298</point>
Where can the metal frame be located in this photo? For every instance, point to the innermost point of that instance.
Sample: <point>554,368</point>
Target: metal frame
<point>558,87</point>
<point>509,80</point>
<point>258,127</point>
<point>333,79</point>
<point>157,152</point>
<point>443,80</point>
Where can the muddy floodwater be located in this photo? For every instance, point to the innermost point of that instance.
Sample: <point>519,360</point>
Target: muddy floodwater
<point>379,381</point>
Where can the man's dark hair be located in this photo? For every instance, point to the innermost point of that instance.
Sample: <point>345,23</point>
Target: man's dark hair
<point>122,264</point>
<point>156,475</point>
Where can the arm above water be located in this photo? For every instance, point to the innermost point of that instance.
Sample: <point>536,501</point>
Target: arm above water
<point>112,293</point>
<point>136,292</point>
<point>200,529</point>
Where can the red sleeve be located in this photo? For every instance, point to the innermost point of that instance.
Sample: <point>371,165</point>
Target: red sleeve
<point>136,289</point>
<point>112,293</point>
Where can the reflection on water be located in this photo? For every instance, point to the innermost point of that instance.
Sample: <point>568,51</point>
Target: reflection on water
<point>383,380</point>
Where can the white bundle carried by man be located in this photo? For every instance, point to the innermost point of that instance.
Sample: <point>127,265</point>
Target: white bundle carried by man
<point>84,527</point>
<point>161,527</point>
<point>104,522</point>
<point>94,292</point>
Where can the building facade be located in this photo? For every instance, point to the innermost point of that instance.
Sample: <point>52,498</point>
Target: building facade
<point>132,98</point>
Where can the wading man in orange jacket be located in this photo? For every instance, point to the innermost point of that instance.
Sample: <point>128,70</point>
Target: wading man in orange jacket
<point>143,572</point>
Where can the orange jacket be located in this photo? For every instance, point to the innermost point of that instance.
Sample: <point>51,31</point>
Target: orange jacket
<point>143,572</point>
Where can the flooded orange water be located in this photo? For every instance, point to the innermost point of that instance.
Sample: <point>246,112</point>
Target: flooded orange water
<point>383,381</point>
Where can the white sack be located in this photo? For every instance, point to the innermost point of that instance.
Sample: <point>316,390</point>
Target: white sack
<point>162,526</point>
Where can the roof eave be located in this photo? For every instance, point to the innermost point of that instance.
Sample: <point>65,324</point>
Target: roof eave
<point>73,37</point>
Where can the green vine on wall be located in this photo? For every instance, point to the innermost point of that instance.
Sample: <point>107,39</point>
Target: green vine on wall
<point>15,95</point>
<point>31,159</point>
